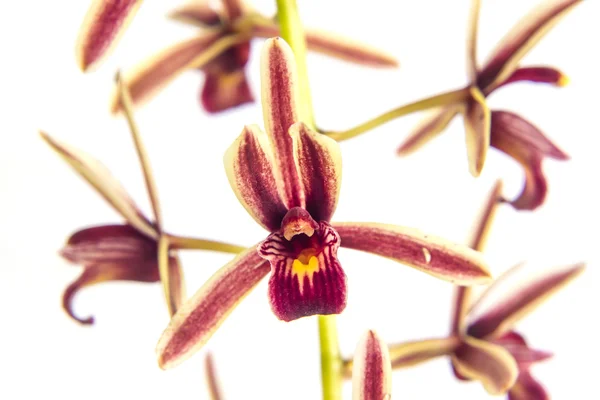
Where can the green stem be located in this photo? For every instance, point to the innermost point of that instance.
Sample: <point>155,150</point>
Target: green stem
<point>453,97</point>
<point>293,33</point>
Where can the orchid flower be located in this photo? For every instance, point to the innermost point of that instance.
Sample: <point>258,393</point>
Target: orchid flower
<point>483,345</point>
<point>288,179</point>
<point>104,23</point>
<point>222,49</point>
<point>138,250</point>
<point>371,378</point>
<point>503,130</point>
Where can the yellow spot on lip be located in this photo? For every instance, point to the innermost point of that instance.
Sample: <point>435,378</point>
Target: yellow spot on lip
<point>306,264</point>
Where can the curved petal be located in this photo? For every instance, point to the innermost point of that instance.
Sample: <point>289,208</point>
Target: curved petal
<point>488,363</point>
<point>198,318</point>
<point>413,353</point>
<point>279,88</point>
<point>211,378</point>
<point>430,254</point>
<point>104,22</point>
<point>524,142</point>
<point>198,12</point>
<point>154,73</point>
<point>249,168</point>
<point>372,374</point>
<point>516,345</point>
<point>233,9</point>
<point>335,46</point>
<point>502,317</point>
<point>430,128</point>
<point>527,388</point>
<point>477,129</point>
<point>520,39</point>
<point>225,90</point>
<point>105,184</point>
<point>171,276</point>
<point>472,40</point>
<point>320,166</point>
<point>547,75</point>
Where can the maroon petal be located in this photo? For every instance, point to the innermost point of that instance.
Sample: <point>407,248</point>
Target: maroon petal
<point>517,42</point>
<point>249,168</point>
<point>198,12</point>
<point>548,75</point>
<point>430,254</point>
<point>211,378</point>
<point>408,354</point>
<point>430,128</point>
<point>525,143</point>
<point>500,319</point>
<point>372,372</point>
<point>307,278</point>
<point>521,352</point>
<point>527,388</point>
<point>320,166</point>
<point>279,86</point>
<point>198,318</point>
<point>222,91</point>
<point>102,26</point>
<point>233,9</point>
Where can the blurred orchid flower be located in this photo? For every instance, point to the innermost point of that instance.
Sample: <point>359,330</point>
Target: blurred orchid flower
<point>503,130</point>
<point>104,23</point>
<point>138,250</point>
<point>483,345</point>
<point>288,179</point>
<point>222,49</point>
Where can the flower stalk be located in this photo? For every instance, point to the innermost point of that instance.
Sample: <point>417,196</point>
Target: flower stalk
<point>293,33</point>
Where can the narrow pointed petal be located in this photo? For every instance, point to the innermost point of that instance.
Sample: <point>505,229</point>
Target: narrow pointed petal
<point>279,88</point>
<point>520,302</point>
<point>151,75</point>
<point>248,164</point>
<point>472,41</point>
<point>211,378</point>
<point>527,388</point>
<point>225,90</point>
<point>307,278</point>
<point>335,46</point>
<point>107,186</point>
<point>488,363</point>
<point>171,276</point>
<point>524,142</point>
<point>372,374</point>
<point>433,255</point>
<point>429,129</point>
<point>523,36</point>
<point>104,22</point>
<point>198,12</point>
<point>233,9</point>
<point>320,166</point>
<point>198,318</point>
<point>477,129</point>
<point>413,353</point>
<point>516,345</point>
<point>547,75</point>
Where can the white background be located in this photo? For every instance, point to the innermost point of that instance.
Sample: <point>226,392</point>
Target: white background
<point>45,354</point>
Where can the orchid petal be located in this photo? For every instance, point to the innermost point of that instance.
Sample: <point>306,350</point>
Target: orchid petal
<point>527,388</point>
<point>107,186</point>
<point>154,73</point>
<point>477,129</point>
<point>502,317</point>
<point>225,90</point>
<point>104,23</point>
<point>547,75</point>
<point>409,354</point>
<point>430,254</point>
<point>198,12</point>
<point>429,129</point>
<point>211,378</point>
<point>171,276</point>
<point>520,40</point>
<point>320,166</point>
<point>516,345</point>
<point>488,363</point>
<point>279,88</point>
<point>335,46</point>
<point>198,318</point>
<point>249,169</point>
<point>472,40</point>
<point>307,278</point>
<point>524,142</point>
<point>372,374</point>
<point>233,9</point>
